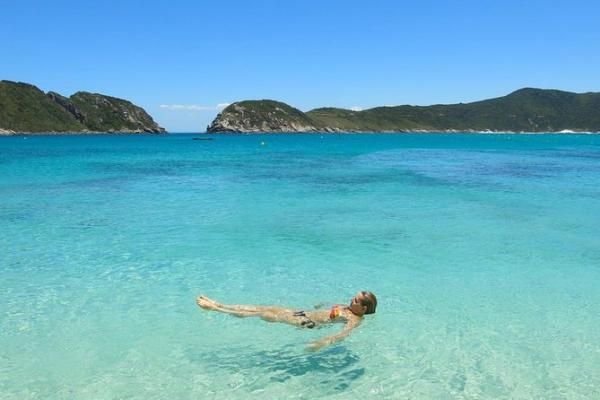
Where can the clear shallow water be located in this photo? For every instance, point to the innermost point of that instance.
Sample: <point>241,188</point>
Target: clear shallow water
<point>484,252</point>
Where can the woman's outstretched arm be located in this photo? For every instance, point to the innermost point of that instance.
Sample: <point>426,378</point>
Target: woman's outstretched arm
<point>329,340</point>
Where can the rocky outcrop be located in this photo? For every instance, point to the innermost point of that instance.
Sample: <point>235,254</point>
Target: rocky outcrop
<point>67,105</point>
<point>262,116</point>
<point>26,109</point>
<point>102,113</point>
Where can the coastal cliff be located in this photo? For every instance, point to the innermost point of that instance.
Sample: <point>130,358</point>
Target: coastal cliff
<point>24,108</point>
<point>525,110</point>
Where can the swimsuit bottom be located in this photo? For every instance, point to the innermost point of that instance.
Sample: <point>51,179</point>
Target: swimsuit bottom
<point>306,322</point>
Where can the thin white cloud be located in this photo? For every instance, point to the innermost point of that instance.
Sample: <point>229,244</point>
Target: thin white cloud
<point>356,108</point>
<point>194,107</point>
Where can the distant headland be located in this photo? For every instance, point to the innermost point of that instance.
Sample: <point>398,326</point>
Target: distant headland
<point>26,109</point>
<point>525,110</point>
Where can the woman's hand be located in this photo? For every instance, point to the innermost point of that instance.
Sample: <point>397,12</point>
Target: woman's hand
<point>352,323</point>
<point>319,344</point>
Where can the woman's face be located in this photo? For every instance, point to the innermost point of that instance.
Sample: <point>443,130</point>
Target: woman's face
<point>356,306</point>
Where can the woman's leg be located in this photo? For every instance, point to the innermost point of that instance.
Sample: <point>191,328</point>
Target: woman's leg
<point>270,313</point>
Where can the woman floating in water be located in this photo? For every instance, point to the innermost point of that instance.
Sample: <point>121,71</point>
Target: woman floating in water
<point>361,304</point>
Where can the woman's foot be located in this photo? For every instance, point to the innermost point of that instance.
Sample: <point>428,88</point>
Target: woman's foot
<point>206,303</point>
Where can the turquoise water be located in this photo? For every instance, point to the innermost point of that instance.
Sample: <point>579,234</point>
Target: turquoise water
<point>484,252</point>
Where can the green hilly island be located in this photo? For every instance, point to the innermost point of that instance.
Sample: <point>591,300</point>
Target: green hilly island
<point>525,110</point>
<point>25,108</point>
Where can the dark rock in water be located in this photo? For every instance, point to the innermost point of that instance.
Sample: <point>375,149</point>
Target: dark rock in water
<point>202,138</point>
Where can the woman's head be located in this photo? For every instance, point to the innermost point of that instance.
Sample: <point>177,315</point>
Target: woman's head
<point>363,303</point>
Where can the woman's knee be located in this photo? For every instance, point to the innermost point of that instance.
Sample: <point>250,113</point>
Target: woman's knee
<point>269,316</point>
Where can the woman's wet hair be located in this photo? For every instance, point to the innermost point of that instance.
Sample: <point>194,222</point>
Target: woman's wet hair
<point>368,300</point>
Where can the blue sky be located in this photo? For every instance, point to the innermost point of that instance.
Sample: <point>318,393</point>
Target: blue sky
<point>181,59</point>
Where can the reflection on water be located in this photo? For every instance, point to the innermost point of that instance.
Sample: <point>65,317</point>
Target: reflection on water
<point>335,368</point>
